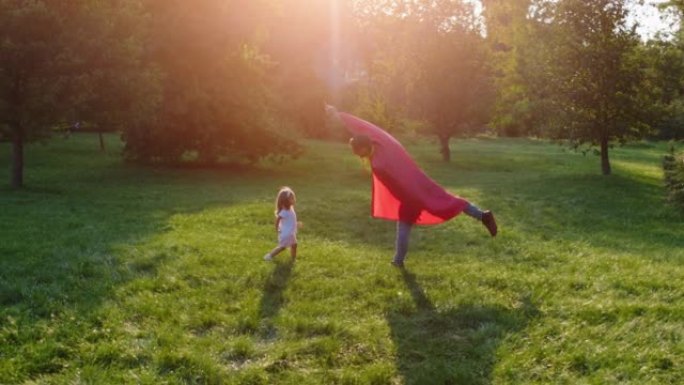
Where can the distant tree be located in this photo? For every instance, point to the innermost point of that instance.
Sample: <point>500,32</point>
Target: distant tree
<point>513,40</point>
<point>666,59</point>
<point>385,52</point>
<point>27,77</point>
<point>453,91</point>
<point>306,43</point>
<point>216,101</point>
<point>595,79</point>
<point>51,62</point>
<point>428,60</point>
<point>673,170</point>
<point>665,63</point>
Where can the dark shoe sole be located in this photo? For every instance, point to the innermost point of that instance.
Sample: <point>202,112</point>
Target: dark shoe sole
<point>490,223</point>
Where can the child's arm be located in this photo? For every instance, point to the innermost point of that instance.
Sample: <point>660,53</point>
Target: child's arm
<point>277,222</point>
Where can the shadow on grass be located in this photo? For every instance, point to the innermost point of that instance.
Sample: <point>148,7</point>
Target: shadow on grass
<point>456,346</point>
<point>618,212</point>
<point>272,300</point>
<point>63,255</point>
<point>622,212</point>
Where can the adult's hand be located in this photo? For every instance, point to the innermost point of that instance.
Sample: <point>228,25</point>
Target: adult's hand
<point>331,111</point>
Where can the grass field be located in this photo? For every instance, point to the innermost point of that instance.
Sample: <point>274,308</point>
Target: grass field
<point>116,274</point>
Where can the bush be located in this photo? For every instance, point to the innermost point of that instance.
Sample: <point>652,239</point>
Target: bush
<point>673,166</point>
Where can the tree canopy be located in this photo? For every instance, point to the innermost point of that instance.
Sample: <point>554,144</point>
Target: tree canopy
<point>215,81</point>
<point>62,62</point>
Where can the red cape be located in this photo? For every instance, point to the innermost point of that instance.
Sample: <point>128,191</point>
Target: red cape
<point>398,180</point>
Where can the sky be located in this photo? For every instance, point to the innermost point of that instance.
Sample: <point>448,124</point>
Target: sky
<point>651,20</point>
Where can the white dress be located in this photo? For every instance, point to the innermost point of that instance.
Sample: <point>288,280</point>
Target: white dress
<point>287,229</point>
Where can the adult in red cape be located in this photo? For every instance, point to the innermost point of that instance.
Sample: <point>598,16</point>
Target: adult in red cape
<point>402,192</point>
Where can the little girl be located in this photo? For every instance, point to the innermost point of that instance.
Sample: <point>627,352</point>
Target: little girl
<point>285,224</point>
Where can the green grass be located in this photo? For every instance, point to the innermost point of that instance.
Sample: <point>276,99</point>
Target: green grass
<point>111,273</point>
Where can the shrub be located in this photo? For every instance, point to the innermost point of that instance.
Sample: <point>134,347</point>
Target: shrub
<point>673,166</point>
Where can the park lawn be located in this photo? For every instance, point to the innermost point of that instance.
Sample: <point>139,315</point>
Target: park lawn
<point>111,273</point>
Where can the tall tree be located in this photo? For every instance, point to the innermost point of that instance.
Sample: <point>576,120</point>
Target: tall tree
<point>515,61</point>
<point>385,55</point>
<point>453,91</point>
<point>50,64</point>
<point>596,77</point>
<point>215,100</point>
<point>665,62</point>
<point>27,54</point>
<point>428,60</point>
<point>307,40</point>
<point>666,59</point>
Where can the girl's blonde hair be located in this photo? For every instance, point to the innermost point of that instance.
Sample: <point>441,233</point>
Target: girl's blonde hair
<point>285,199</point>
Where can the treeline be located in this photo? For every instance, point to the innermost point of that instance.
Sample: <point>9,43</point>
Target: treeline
<point>242,80</point>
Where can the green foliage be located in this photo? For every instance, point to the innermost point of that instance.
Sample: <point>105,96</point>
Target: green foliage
<point>65,63</point>
<point>385,44</point>
<point>453,90</point>
<point>373,106</point>
<point>110,87</point>
<point>426,60</point>
<point>301,46</point>
<point>665,60</point>
<point>595,80</point>
<point>29,71</point>
<point>215,102</point>
<point>517,63</point>
<point>673,166</point>
<point>117,275</point>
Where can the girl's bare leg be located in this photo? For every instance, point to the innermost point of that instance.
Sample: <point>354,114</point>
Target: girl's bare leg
<point>273,253</point>
<point>293,251</point>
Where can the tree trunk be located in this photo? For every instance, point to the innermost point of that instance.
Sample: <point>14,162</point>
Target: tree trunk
<point>444,148</point>
<point>17,175</point>
<point>102,143</point>
<point>605,162</point>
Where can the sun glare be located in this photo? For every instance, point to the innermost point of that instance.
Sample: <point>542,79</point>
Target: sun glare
<point>334,9</point>
<point>652,21</point>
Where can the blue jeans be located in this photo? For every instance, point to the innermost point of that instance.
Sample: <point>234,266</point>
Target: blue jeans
<point>402,241</point>
<point>473,211</point>
<point>404,232</point>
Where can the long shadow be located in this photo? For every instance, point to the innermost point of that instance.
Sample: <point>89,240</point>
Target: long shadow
<point>60,260</point>
<point>67,242</point>
<point>548,199</point>
<point>272,300</point>
<point>456,346</point>
<point>607,212</point>
<point>616,212</point>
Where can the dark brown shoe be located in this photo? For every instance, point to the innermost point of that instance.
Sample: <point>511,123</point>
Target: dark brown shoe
<point>489,222</point>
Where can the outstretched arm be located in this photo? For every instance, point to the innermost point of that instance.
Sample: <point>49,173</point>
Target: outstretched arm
<point>331,111</point>
<point>332,114</point>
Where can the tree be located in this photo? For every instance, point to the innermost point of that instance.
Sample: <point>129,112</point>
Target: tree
<point>666,60</point>
<point>53,58</point>
<point>216,101</point>
<point>665,64</point>
<point>453,91</point>
<point>307,41</point>
<point>27,51</point>
<point>427,60</point>
<point>596,78</point>
<point>515,62</point>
